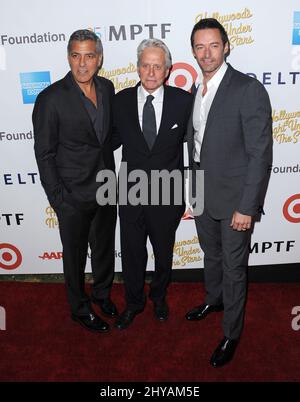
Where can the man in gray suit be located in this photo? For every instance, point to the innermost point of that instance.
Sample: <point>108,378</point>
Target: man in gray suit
<point>230,138</point>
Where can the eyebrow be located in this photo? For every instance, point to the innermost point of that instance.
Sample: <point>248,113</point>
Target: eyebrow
<point>210,43</point>
<point>89,53</point>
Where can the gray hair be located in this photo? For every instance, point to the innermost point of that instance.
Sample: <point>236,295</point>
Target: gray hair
<point>154,43</point>
<point>85,34</point>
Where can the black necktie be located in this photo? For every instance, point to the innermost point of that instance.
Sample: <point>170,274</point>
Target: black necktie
<point>149,122</point>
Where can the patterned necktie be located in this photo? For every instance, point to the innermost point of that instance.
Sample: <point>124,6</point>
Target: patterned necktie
<point>149,122</point>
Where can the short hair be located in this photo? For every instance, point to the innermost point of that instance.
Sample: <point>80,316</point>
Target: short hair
<point>211,23</point>
<point>154,43</point>
<point>85,34</point>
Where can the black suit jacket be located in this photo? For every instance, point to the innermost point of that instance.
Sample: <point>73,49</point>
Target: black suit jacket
<point>236,150</point>
<point>167,151</point>
<point>68,153</point>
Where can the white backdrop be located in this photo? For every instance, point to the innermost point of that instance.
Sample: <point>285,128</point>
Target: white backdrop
<point>265,38</point>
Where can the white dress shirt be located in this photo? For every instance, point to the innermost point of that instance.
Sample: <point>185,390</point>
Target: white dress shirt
<point>157,103</point>
<point>202,106</point>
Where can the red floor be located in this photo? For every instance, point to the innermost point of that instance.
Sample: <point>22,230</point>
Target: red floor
<point>41,343</point>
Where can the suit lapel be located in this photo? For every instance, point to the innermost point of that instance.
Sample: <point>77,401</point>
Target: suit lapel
<point>167,116</point>
<point>219,98</point>
<point>166,113</point>
<point>78,105</point>
<point>103,104</point>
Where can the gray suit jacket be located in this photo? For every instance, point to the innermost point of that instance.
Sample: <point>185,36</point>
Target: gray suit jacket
<point>236,151</point>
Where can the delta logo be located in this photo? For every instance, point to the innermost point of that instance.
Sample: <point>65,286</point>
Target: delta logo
<point>32,84</point>
<point>52,255</point>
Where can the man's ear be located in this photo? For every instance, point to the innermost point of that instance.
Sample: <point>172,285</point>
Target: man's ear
<point>100,60</point>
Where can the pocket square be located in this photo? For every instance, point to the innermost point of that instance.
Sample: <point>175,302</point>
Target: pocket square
<point>175,126</point>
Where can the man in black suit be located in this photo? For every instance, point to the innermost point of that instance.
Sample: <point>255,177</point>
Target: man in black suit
<point>72,121</point>
<point>150,122</point>
<point>230,138</point>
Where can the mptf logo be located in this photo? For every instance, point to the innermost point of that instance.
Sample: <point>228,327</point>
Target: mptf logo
<point>182,76</point>
<point>10,256</point>
<point>33,83</point>
<point>291,209</point>
<point>129,32</point>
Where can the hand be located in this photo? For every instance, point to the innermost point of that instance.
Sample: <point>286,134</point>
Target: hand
<point>241,222</point>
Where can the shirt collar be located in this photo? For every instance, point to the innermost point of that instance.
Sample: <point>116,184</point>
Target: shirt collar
<point>158,94</point>
<point>97,86</point>
<point>217,78</point>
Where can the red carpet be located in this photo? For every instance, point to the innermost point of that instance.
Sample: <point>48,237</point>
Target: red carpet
<point>41,343</point>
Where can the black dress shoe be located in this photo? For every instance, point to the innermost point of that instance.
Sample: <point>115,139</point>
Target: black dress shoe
<point>107,307</point>
<point>224,352</point>
<point>91,322</point>
<point>161,310</point>
<point>200,312</point>
<point>125,319</point>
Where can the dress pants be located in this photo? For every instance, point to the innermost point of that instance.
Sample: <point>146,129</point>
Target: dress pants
<point>134,236</point>
<point>78,228</point>
<point>226,253</point>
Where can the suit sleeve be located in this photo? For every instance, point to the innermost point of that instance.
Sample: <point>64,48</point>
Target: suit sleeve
<point>116,138</point>
<point>256,120</point>
<point>189,124</point>
<point>46,138</point>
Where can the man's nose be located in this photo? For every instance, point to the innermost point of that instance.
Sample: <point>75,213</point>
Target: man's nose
<point>207,52</point>
<point>82,61</point>
<point>151,70</point>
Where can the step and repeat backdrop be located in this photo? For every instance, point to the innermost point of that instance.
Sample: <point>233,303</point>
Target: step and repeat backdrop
<point>265,43</point>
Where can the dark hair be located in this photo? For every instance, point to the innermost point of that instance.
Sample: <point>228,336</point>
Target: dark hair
<point>85,34</point>
<point>210,23</point>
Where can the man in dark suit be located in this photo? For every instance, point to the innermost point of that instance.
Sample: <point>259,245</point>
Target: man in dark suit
<point>72,121</point>
<point>230,139</point>
<point>150,122</point>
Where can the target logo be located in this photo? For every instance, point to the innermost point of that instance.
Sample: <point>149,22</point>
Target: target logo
<point>291,209</point>
<point>10,256</point>
<point>182,76</point>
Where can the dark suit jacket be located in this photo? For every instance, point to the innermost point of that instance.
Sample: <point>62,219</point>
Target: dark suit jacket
<point>167,151</point>
<point>236,150</point>
<point>68,152</point>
